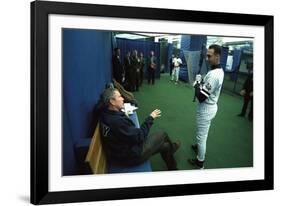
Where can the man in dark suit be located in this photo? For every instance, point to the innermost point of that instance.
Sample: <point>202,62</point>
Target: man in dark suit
<point>151,67</point>
<point>118,70</point>
<point>247,93</point>
<point>124,143</point>
<point>171,64</point>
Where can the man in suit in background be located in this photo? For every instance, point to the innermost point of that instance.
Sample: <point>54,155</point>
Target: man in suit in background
<point>247,93</point>
<point>118,70</point>
<point>151,67</point>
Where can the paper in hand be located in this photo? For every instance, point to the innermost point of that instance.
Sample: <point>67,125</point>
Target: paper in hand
<point>128,108</point>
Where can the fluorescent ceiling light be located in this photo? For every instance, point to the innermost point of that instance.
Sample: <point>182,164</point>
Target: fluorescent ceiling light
<point>138,35</point>
<point>152,34</point>
<point>130,36</point>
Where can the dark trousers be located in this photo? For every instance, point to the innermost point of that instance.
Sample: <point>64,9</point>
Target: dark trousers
<point>151,75</point>
<point>159,143</point>
<point>137,81</point>
<point>247,99</point>
<point>132,82</point>
<point>141,76</point>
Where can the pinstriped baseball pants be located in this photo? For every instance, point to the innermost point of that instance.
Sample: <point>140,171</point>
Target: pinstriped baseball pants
<point>205,114</point>
<point>175,74</point>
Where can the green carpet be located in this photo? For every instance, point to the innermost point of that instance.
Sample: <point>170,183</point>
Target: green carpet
<point>230,140</point>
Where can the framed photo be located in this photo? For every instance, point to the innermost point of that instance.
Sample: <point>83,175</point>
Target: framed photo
<point>71,49</point>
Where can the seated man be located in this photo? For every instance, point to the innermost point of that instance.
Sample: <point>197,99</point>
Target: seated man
<point>127,145</point>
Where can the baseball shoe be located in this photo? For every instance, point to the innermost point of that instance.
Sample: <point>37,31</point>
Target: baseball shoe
<point>194,147</point>
<point>195,162</point>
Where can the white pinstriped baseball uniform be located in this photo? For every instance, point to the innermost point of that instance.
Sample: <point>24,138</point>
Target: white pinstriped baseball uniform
<point>207,110</point>
<point>175,73</point>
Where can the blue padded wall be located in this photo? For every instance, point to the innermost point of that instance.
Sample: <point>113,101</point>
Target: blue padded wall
<point>86,69</point>
<point>224,54</point>
<point>195,56</point>
<point>170,52</point>
<point>236,63</point>
<point>193,42</point>
<point>182,57</point>
<point>185,42</point>
<point>143,46</point>
<point>197,41</point>
<point>68,147</point>
<point>236,59</point>
<point>194,64</point>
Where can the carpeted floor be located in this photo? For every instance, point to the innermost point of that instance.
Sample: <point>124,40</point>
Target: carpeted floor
<point>230,141</point>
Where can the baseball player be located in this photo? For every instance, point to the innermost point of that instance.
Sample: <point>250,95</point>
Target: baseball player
<point>207,92</point>
<point>175,72</point>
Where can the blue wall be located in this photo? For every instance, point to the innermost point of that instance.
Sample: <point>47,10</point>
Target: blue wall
<point>224,55</point>
<point>193,42</point>
<point>185,42</point>
<point>170,52</point>
<point>86,69</point>
<point>236,63</point>
<point>197,41</point>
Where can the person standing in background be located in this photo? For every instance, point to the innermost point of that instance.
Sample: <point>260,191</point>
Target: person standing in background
<point>117,67</point>
<point>135,77</point>
<point>171,64</point>
<point>175,74</point>
<point>151,67</point>
<point>127,67</point>
<point>142,63</point>
<point>247,93</point>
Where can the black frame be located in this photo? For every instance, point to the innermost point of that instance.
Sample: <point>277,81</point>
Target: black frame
<point>39,102</point>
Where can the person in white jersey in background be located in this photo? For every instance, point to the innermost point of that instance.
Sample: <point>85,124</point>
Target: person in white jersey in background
<point>207,92</point>
<point>175,73</point>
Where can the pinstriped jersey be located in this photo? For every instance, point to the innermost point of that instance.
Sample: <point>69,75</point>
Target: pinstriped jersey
<point>212,84</point>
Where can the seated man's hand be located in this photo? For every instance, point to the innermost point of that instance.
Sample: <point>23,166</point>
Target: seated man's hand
<point>156,113</point>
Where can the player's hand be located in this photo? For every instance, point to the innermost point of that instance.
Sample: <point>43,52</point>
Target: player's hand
<point>198,78</point>
<point>155,114</point>
<point>251,94</point>
<point>243,92</point>
<point>195,83</point>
